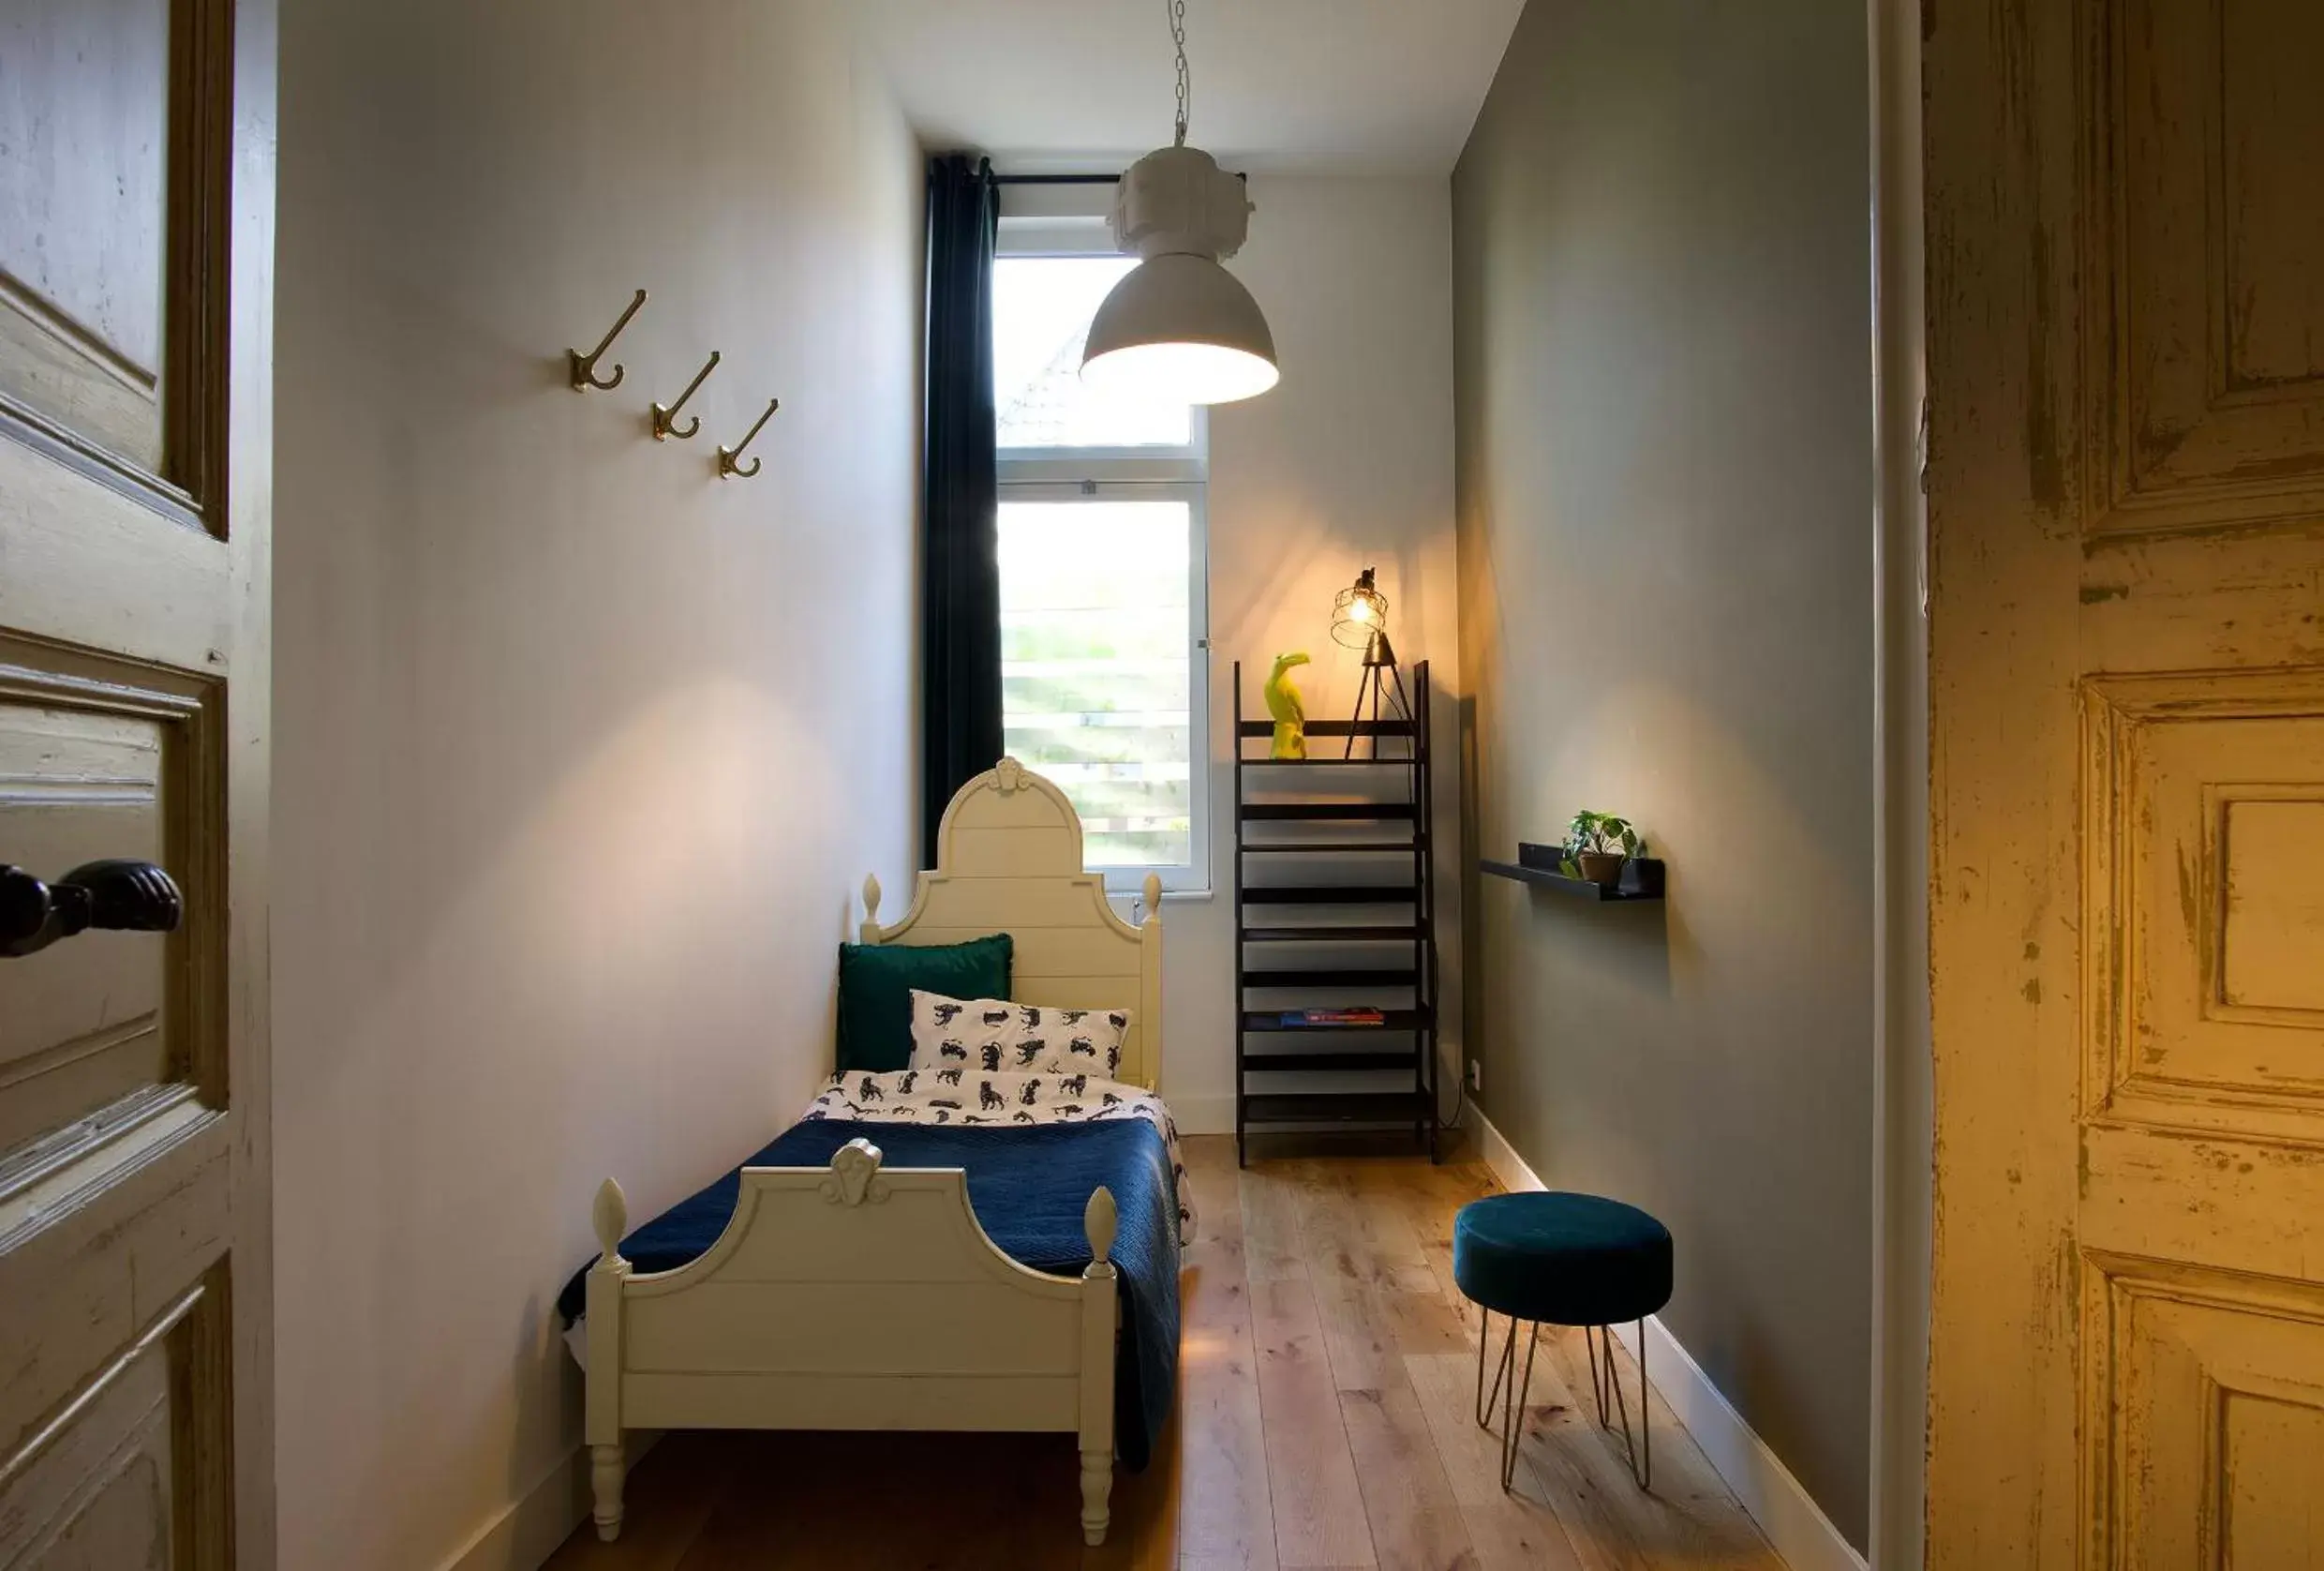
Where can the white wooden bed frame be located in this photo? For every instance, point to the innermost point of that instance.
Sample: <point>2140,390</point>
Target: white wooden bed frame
<point>858,1296</point>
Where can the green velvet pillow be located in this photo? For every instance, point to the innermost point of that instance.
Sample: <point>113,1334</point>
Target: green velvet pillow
<point>875,993</point>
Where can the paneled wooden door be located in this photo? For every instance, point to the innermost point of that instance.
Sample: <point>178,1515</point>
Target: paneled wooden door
<point>2126,509</point>
<point>137,196</point>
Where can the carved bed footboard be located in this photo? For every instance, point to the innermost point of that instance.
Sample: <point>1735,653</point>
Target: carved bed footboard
<point>851,1297</point>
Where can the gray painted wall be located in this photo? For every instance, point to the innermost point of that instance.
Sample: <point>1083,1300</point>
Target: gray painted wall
<point>1662,264</point>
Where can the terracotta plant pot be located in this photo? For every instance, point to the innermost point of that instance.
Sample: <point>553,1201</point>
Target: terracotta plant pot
<point>1600,867</point>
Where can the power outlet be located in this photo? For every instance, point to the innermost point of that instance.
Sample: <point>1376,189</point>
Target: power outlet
<point>1476,1075</point>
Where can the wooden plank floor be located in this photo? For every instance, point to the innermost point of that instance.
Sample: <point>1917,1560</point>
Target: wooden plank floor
<point>1324,1422</point>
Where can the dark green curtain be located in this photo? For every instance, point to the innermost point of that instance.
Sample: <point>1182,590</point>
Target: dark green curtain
<point>959,533</point>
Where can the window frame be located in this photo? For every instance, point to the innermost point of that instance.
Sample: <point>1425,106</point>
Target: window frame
<point>1139,473</point>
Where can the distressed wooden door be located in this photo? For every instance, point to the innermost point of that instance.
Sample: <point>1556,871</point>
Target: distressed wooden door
<point>2126,511</point>
<point>136,237</point>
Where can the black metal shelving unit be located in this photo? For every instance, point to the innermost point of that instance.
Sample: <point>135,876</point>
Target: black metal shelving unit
<point>1330,855</point>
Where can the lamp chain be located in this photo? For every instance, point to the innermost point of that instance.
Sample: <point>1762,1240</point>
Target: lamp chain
<point>1177,12</point>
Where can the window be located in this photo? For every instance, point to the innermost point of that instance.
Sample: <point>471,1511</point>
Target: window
<point>1041,312</point>
<point>1104,664</point>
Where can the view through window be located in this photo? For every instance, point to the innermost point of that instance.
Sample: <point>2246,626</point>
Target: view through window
<point>1101,579</point>
<point>1041,312</point>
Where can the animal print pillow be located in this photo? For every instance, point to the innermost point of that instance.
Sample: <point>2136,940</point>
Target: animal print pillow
<point>993,1034</point>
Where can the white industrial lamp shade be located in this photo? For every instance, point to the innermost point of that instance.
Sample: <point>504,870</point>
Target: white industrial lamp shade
<point>1178,328</point>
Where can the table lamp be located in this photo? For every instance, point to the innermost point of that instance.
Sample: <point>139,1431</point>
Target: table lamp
<point>1360,620</point>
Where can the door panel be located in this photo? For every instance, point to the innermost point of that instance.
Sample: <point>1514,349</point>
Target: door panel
<point>2214,1403</point>
<point>136,232</point>
<point>2275,265</point>
<point>83,212</point>
<point>2205,901</point>
<point>2207,252</point>
<point>2126,515</point>
<point>118,141</point>
<point>83,1028</point>
<point>104,1493</point>
<point>102,1497</point>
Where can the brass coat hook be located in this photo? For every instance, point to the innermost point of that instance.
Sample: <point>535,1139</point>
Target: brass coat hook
<point>664,416</point>
<point>584,366</point>
<point>726,455</point>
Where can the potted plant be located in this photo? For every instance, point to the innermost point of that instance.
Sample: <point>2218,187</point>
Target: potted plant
<point>1600,843</point>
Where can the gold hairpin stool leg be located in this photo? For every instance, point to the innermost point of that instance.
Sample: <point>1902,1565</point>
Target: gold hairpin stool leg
<point>1607,1385</point>
<point>1507,1393</point>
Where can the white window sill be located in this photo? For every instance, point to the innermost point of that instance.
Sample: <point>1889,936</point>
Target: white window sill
<point>1129,897</point>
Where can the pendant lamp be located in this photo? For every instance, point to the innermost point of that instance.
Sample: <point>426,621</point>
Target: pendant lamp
<point>1179,328</point>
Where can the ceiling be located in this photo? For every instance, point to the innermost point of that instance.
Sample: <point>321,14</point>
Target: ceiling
<point>1278,85</point>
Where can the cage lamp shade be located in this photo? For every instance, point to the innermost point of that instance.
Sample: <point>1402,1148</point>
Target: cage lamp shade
<point>1360,620</point>
<point>1179,328</point>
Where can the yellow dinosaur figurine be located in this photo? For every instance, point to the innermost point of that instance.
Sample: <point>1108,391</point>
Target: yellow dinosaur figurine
<point>1290,714</point>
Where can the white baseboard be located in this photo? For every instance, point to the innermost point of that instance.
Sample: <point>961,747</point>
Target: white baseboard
<point>1501,1157</point>
<point>1793,1521</point>
<point>529,1530</point>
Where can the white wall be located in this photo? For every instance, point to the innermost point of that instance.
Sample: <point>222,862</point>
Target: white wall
<point>580,752</point>
<point>1348,461</point>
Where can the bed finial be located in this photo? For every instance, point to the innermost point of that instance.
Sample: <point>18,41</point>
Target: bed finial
<point>1100,1219</point>
<point>611,1217</point>
<point>1009,776</point>
<point>869,933</point>
<point>1153,892</point>
<point>854,1174</point>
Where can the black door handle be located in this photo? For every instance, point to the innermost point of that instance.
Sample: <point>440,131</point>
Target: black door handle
<point>113,895</point>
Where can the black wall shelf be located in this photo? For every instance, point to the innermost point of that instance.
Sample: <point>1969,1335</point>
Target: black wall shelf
<point>1538,865</point>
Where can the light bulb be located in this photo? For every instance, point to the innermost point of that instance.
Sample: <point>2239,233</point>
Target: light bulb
<point>1180,373</point>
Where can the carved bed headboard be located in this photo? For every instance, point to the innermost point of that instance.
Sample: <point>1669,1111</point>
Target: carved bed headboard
<point>1008,859</point>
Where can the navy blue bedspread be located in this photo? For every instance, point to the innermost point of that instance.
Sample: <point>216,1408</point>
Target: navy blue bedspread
<point>1028,1187</point>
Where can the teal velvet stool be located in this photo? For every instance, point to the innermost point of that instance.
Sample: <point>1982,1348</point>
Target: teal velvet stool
<point>1553,1259</point>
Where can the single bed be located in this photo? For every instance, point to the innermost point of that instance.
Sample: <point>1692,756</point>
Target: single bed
<point>839,1290</point>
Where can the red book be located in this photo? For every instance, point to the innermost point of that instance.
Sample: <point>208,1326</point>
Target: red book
<point>1362,1016</point>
